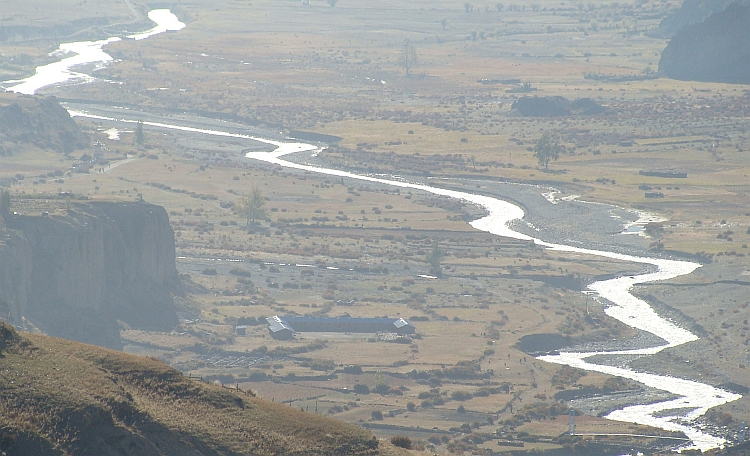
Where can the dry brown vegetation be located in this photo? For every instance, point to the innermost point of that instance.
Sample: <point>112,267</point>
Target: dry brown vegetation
<point>283,66</point>
<point>62,397</point>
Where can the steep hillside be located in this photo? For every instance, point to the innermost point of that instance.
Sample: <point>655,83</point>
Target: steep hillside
<point>37,121</point>
<point>70,20</point>
<point>74,274</point>
<point>716,50</point>
<point>691,12</point>
<point>59,397</point>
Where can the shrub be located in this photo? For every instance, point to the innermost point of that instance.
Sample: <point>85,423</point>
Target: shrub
<point>335,409</point>
<point>377,415</point>
<point>209,271</point>
<point>401,441</point>
<point>461,396</point>
<point>382,389</point>
<point>352,369</point>
<point>361,389</point>
<point>239,272</point>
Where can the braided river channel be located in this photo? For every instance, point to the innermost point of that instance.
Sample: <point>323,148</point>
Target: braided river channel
<point>690,399</point>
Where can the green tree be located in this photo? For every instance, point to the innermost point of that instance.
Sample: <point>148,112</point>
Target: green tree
<point>252,206</point>
<point>435,258</point>
<point>546,149</point>
<point>332,2</point>
<point>444,23</point>
<point>140,137</point>
<point>4,201</point>
<point>408,55</point>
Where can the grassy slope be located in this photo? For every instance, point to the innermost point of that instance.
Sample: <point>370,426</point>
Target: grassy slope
<point>62,397</point>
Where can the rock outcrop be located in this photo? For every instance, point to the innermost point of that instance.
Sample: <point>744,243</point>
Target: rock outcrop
<point>75,276</point>
<point>37,121</point>
<point>555,107</point>
<point>691,12</point>
<point>715,50</point>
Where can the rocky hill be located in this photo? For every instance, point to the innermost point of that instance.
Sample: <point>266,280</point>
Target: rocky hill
<point>715,50</point>
<point>59,397</point>
<point>75,274</point>
<point>691,12</point>
<point>39,122</point>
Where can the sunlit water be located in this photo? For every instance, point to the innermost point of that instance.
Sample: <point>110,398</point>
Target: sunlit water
<point>695,397</point>
<point>83,53</point>
<point>165,22</point>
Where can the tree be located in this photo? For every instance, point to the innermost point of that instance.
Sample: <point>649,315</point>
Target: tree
<point>140,137</point>
<point>332,2</point>
<point>444,22</point>
<point>4,201</point>
<point>469,7</point>
<point>252,206</point>
<point>408,55</point>
<point>546,149</point>
<point>499,7</point>
<point>379,384</point>
<point>435,257</point>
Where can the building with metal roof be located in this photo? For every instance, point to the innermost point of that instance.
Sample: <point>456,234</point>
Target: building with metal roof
<point>338,324</point>
<point>279,329</point>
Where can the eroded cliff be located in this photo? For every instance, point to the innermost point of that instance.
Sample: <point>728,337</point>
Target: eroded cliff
<point>715,50</point>
<point>75,275</point>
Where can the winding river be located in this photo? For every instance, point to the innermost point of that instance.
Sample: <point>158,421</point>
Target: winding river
<point>84,53</point>
<point>693,396</point>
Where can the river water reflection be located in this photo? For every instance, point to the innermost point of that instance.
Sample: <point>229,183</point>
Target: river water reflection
<point>86,53</point>
<point>695,398</point>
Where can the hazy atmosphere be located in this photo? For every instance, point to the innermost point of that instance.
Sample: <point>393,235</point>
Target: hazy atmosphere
<point>392,228</point>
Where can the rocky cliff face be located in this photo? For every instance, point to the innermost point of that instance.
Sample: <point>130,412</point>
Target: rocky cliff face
<point>692,12</point>
<point>37,121</point>
<point>75,276</point>
<point>716,50</point>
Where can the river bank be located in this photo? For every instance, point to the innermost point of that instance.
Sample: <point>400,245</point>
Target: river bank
<point>562,227</point>
<point>86,53</point>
